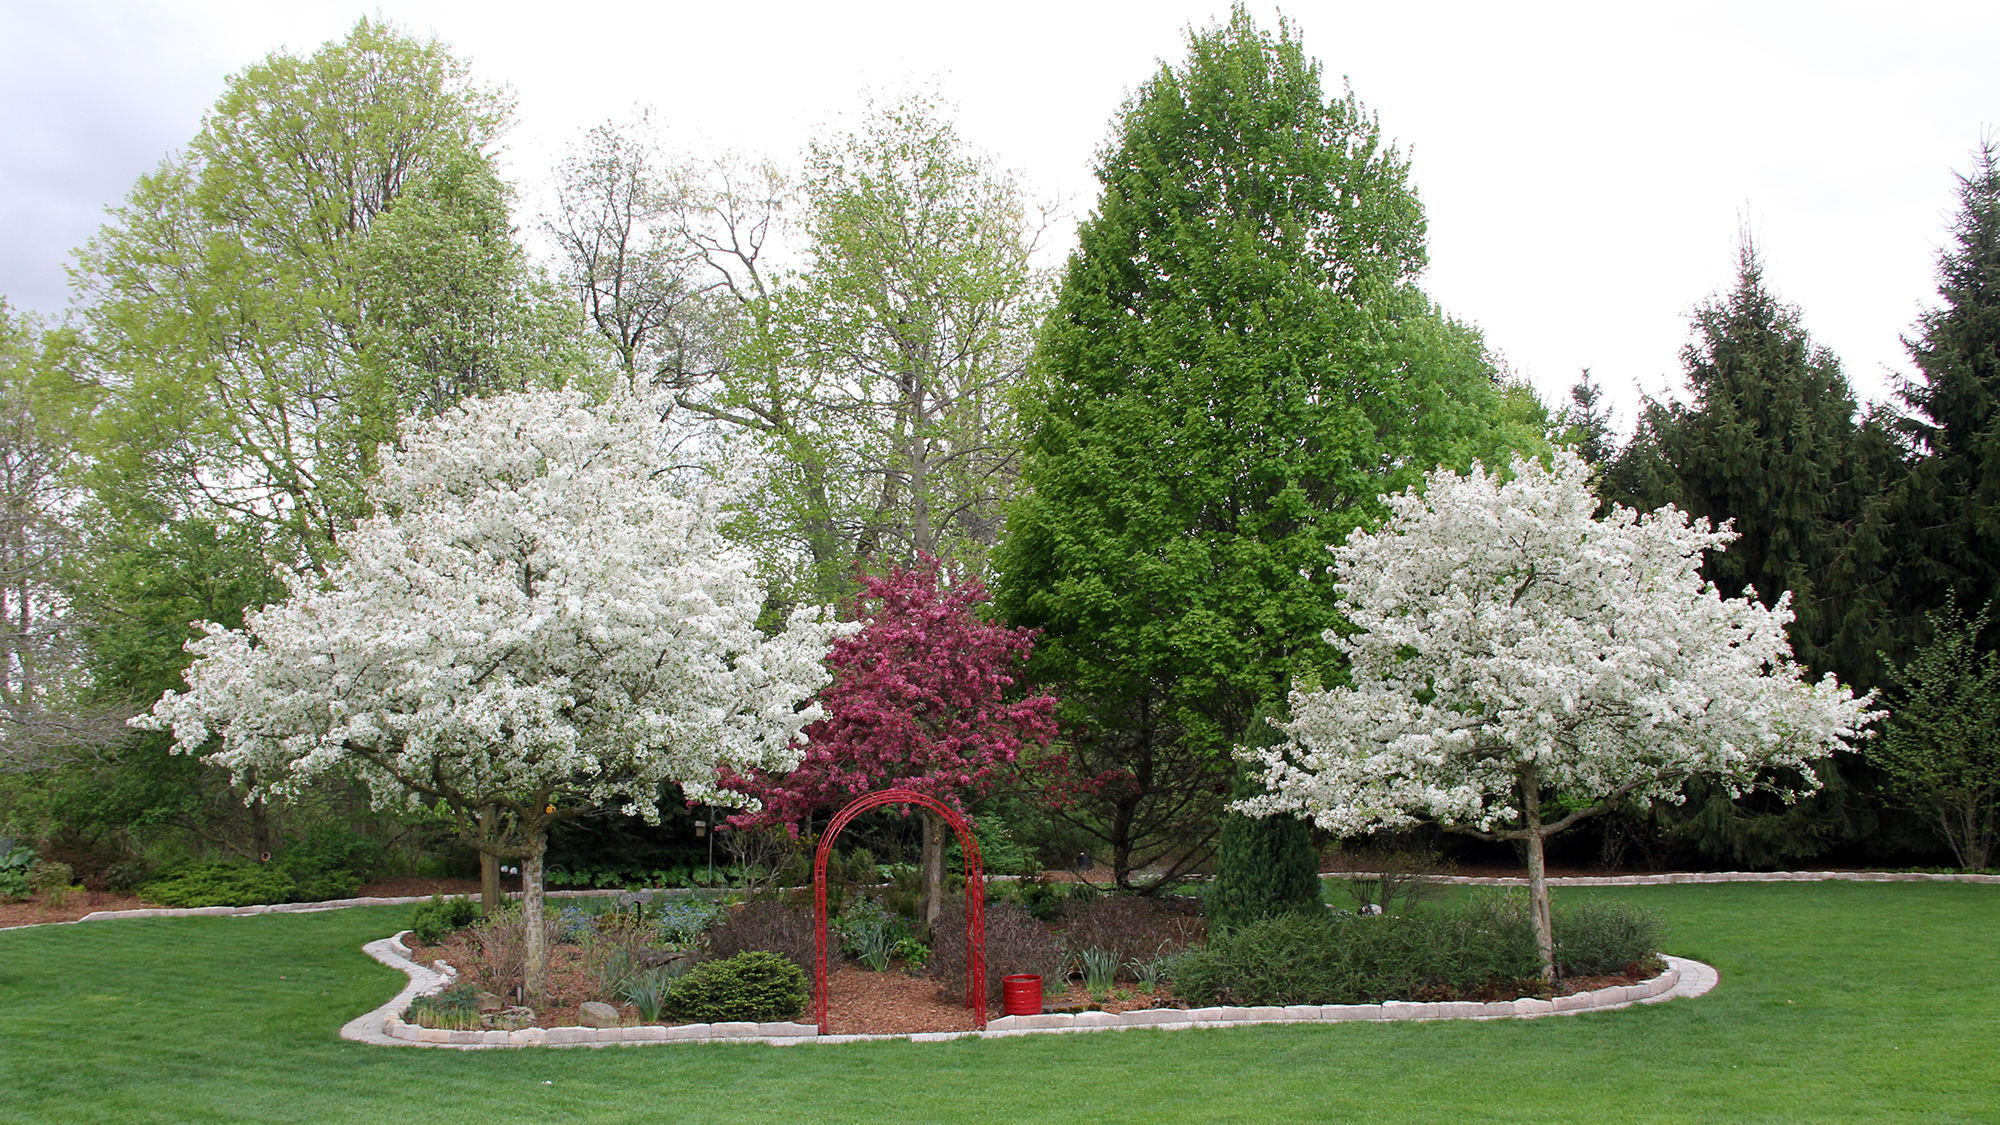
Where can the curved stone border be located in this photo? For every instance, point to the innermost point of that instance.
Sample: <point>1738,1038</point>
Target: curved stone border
<point>385,1026</point>
<point>330,904</point>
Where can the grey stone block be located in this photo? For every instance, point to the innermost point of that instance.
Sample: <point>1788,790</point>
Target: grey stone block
<point>1096,1019</point>
<point>1460,1009</point>
<point>433,1035</point>
<point>1006,1023</point>
<point>1146,1017</point>
<point>733,1029</point>
<point>559,1035</point>
<point>1533,1006</point>
<point>1406,1010</point>
<point>787,1029</point>
<point>528,1037</point>
<point>1302,1011</point>
<point>1267,1013</point>
<point>1498,1009</point>
<point>1340,1013</point>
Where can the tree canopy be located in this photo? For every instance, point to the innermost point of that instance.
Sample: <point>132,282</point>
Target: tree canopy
<point>1518,664</point>
<point>1239,361</point>
<point>538,620</point>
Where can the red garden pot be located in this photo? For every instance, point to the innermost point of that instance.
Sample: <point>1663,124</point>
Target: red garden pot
<point>1021,995</point>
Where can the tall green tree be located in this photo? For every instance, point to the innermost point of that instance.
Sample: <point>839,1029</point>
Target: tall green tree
<point>330,252</point>
<point>1950,518</point>
<point>1238,365</point>
<point>875,381</point>
<point>1770,439</point>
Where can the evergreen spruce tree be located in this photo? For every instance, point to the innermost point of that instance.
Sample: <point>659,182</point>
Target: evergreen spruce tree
<point>1951,511</point>
<point>1239,364</point>
<point>1264,865</point>
<point>1770,440</point>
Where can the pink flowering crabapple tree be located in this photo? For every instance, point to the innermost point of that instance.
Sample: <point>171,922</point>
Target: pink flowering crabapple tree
<point>918,701</point>
<point>1517,665</point>
<point>537,620</point>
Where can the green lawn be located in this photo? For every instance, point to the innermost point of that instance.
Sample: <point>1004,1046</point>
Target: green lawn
<point>1838,1002</point>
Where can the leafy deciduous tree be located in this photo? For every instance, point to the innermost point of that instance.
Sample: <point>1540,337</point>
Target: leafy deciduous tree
<point>1238,363</point>
<point>537,622</point>
<point>918,701</point>
<point>1941,754</point>
<point>1518,665</point>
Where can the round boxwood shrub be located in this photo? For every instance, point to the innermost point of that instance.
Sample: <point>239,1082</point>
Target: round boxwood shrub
<point>757,986</point>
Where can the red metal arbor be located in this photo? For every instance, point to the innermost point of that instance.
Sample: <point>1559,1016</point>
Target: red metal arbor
<point>975,897</point>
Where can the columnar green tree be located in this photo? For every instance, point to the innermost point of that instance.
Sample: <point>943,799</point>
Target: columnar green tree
<point>1238,364</point>
<point>1264,865</point>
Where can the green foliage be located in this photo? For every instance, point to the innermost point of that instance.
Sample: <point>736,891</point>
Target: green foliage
<point>330,862</point>
<point>455,1009</point>
<point>440,916</point>
<point>1941,753</point>
<point>1362,959</point>
<point>756,985</point>
<point>1598,937</point>
<point>332,250</point>
<point>1238,364</point>
<point>1949,519</point>
<point>220,884</point>
<point>1770,440</point>
<point>683,922</point>
<point>17,864</point>
<point>1263,865</point>
<point>868,932</point>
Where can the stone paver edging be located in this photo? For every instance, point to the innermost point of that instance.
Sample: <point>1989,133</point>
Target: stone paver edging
<point>384,1025</point>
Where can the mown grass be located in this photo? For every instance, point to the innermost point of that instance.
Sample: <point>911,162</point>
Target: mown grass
<point>1839,1002</point>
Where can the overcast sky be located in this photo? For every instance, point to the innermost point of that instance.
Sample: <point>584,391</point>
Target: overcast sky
<point>1586,169</point>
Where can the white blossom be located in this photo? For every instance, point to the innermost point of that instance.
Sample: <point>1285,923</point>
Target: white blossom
<point>531,613</point>
<point>1506,644</point>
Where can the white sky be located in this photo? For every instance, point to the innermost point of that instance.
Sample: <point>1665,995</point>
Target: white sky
<point>1586,168</point>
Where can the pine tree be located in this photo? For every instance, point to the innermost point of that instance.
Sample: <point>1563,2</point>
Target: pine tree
<point>1951,511</point>
<point>1264,865</point>
<point>1238,365</point>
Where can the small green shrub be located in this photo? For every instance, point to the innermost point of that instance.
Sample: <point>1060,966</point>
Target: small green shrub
<point>17,863</point>
<point>1363,959</point>
<point>219,884</point>
<point>52,881</point>
<point>756,986</point>
<point>440,916</point>
<point>1598,937</point>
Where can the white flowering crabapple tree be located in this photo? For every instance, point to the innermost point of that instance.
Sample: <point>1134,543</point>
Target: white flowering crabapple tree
<point>1517,665</point>
<point>536,621</point>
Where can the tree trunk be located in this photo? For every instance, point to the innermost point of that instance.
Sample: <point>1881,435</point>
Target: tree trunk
<point>1538,875</point>
<point>933,867</point>
<point>536,938</point>
<point>489,863</point>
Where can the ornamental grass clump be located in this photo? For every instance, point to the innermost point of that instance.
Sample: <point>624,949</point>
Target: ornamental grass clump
<point>757,986</point>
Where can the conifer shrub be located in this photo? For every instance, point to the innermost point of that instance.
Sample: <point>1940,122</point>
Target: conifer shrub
<point>1264,865</point>
<point>757,986</point>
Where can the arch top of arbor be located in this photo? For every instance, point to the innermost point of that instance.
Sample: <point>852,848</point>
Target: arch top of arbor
<point>975,895</point>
